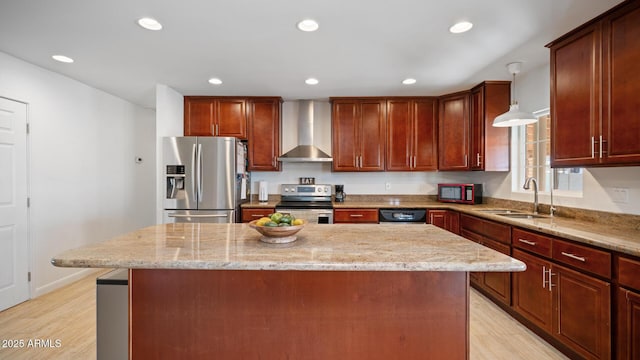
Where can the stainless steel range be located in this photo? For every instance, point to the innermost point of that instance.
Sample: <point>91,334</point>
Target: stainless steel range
<point>309,202</point>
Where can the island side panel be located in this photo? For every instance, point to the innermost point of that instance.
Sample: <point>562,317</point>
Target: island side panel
<point>235,314</point>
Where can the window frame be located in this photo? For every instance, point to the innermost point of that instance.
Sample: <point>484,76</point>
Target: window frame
<point>518,158</point>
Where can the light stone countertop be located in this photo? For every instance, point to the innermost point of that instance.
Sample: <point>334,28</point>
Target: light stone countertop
<point>337,247</point>
<point>608,236</point>
<point>605,234</point>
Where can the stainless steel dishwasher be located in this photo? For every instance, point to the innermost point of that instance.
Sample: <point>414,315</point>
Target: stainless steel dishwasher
<point>402,216</point>
<point>112,315</point>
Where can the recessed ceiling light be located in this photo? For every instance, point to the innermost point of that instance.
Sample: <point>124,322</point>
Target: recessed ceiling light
<point>308,25</point>
<point>311,81</point>
<point>462,26</point>
<point>62,58</point>
<point>409,81</point>
<point>149,23</point>
<point>215,81</point>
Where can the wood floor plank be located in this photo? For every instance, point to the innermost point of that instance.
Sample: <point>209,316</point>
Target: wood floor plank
<point>68,315</point>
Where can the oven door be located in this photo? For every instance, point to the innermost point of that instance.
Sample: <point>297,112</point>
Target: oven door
<point>313,216</point>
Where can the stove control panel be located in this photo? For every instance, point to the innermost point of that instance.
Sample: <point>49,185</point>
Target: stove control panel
<point>305,190</point>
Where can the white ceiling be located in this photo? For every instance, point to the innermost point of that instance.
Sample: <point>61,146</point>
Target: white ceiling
<point>363,47</point>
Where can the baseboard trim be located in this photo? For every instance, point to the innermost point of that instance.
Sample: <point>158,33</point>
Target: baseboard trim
<point>81,273</point>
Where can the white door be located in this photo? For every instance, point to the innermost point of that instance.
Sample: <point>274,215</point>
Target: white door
<point>14,253</point>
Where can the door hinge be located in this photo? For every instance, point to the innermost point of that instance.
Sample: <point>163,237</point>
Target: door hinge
<point>29,276</point>
<point>28,129</point>
<point>28,202</point>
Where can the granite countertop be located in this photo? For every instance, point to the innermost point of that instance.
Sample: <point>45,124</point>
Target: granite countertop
<point>605,234</point>
<point>339,247</point>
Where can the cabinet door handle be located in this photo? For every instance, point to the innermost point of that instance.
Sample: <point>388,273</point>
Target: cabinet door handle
<point>217,130</point>
<point>466,160</point>
<point>593,147</point>
<point>257,215</point>
<point>527,242</point>
<point>546,278</point>
<point>601,146</point>
<point>478,163</point>
<point>575,257</point>
<point>356,215</point>
<point>414,162</point>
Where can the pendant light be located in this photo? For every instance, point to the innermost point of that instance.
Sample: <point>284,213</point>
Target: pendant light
<point>514,116</point>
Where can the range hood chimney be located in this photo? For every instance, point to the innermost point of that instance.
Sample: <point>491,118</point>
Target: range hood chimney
<point>305,151</point>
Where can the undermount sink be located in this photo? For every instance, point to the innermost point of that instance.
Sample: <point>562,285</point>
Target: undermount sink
<point>498,211</point>
<point>522,215</point>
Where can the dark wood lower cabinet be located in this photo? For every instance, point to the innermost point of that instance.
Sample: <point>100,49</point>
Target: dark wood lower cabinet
<point>236,314</point>
<point>582,312</point>
<point>628,324</point>
<point>445,219</point>
<point>497,236</point>
<point>576,311</point>
<point>498,284</point>
<point>532,297</point>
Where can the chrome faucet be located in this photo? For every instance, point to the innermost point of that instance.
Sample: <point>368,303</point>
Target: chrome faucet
<point>527,182</point>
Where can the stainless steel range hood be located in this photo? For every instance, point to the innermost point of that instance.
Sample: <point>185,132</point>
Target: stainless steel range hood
<point>305,151</point>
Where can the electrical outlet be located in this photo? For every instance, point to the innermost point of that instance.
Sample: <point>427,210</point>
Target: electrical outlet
<point>620,195</point>
<point>387,186</point>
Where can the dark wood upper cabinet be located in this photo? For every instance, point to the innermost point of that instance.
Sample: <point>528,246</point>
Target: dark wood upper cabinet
<point>412,134</point>
<point>358,136</point>
<point>264,134</point>
<point>622,83</point>
<point>215,116</point>
<point>490,146</point>
<point>595,82</point>
<point>198,116</point>
<point>453,132</point>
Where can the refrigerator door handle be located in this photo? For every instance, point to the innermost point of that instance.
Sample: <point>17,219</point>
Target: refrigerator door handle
<point>199,164</point>
<point>194,174</point>
<point>198,216</point>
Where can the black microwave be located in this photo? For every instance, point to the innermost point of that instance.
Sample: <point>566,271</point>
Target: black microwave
<point>460,193</point>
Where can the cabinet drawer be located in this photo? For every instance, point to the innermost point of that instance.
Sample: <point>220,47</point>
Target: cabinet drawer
<point>582,257</point>
<point>471,236</point>
<point>489,229</point>
<point>255,213</point>
<point>497,246</point>
<point>628,271</point>
<point>498,232</point>
<point>532,242</point>
<point>355,216</point>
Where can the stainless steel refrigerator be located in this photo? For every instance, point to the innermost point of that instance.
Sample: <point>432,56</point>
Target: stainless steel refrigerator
<point>205,179</point>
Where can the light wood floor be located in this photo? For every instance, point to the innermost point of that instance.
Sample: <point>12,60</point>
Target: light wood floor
<point>68,315</point>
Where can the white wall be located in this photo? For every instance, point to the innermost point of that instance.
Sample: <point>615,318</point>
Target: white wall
<point>85,185</point>
<point>169,122</point>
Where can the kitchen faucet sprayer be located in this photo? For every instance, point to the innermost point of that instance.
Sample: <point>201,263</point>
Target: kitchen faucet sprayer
<point>526,185</point>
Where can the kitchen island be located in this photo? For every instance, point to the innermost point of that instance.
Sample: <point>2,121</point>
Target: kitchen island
<point>340,291</point>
